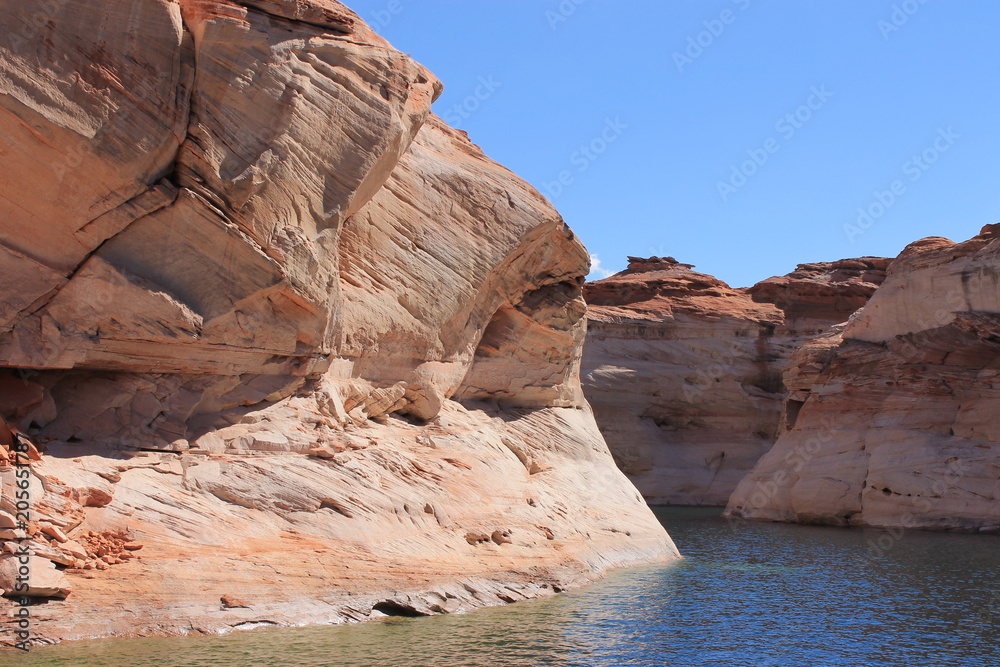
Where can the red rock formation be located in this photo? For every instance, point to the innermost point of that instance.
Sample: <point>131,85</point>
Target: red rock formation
<point>279,325</point>
<point>815,295</point>
<point>893,421</point>
<point>684,372</point>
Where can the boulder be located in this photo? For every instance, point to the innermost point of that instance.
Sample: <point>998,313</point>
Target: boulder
<point>43,580</point>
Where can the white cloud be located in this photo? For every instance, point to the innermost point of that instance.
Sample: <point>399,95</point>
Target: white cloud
<point>596,271</point>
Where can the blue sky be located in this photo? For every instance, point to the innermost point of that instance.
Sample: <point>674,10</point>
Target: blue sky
<point>742,136</point>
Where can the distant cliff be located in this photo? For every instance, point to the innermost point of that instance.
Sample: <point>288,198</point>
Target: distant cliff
<point>294,350</point>
<point>684,372</point>
<point>894,420</point>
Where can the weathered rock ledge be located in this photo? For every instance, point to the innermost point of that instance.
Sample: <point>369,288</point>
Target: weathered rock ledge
<point>684,372</point>
<point>293,350</point>
<point>893,420</point>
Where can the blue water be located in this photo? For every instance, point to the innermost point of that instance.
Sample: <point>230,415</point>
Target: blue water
<point>747,594</point>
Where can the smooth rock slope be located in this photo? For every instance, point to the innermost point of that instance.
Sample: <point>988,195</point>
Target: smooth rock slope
<point>684,372</point>
<point>294,350</point>
<point>893,421</point>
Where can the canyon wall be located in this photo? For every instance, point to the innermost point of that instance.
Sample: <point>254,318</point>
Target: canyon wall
<point>893,420</point>
<point>684,372</point>
<point>293,350</point>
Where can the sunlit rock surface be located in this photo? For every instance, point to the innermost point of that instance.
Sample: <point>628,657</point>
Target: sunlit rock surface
<point>894,420</point>
<point>684,372</point>
<point>294,350</point>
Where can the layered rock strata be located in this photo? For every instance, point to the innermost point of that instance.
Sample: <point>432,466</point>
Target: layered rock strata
<point>294,351</point>
<point>893,420</point>
<point>684,372</point>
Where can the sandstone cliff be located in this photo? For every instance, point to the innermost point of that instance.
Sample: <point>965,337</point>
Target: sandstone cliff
<point>294,350</point>
<point>893,420</point>
<point>684,372</point>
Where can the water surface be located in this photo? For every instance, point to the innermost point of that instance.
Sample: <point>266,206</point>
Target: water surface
<point>751,594</point>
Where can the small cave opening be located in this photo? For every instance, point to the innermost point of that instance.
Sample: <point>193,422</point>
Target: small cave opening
<point>792,409</point>
<point>769,381</point>
<point>391,608</point>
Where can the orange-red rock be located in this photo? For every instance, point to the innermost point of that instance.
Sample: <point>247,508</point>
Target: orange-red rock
<point>684,372</point>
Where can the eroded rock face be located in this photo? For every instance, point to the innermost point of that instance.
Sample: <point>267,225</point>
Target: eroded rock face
<point>684,372</point>
<point>894,419</point>
<point>208,199</point>
<point>290,345</point>
<point>456,261</point>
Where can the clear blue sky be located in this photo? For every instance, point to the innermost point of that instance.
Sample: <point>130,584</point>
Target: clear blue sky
<point>536,82</point>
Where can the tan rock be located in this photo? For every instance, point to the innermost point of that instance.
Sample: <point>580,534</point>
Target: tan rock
<point>167,258</point>
<point>270,248</point>
<point>52,531</point>
<point>65,157</point>
<point>42,580</point>
<point>18,396</point>
<point>75,549</point>
<point>684,372</point>
<point>424,401</point>
<point>501,537</point>
<point>323,452</point>
<point>233,602</point>
<point>893,422</point>
<point>52,553</point>
<point>946,285</point>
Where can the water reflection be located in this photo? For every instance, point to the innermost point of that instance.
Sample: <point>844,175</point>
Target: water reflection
<point>747,594</point>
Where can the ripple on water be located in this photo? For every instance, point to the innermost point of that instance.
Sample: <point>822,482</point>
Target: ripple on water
<point>748,594</point>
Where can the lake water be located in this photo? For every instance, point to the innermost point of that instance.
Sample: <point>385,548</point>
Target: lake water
<point>747,594</point>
